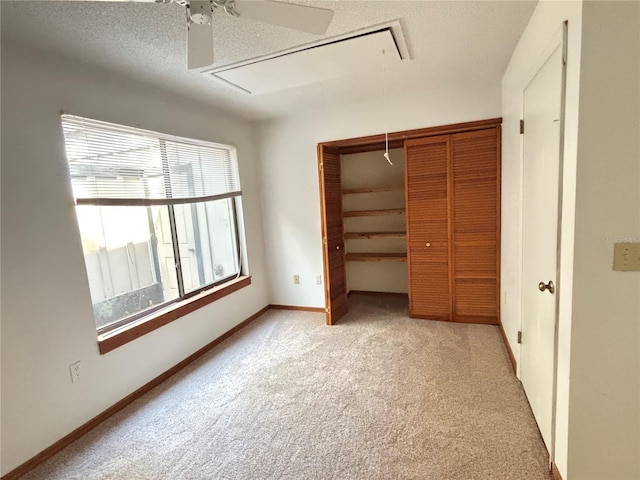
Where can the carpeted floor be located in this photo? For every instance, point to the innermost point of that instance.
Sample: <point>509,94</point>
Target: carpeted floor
<point>380,396</point>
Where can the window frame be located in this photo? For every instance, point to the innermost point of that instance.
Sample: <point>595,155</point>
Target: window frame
<point>124,330</point>
<point>118,324</point>
<point>136,329</point>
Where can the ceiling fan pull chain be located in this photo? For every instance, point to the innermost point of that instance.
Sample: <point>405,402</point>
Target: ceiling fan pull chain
<point>384,100</point>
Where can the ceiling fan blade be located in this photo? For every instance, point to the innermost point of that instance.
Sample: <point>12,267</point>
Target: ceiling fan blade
<point>289,15</point>
<point>199,35</point>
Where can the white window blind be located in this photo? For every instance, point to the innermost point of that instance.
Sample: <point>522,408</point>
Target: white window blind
<point>116,165</point>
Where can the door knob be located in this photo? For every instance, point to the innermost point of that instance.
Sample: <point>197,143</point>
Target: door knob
<point>546,286</point>
<point>428,244</point>
<point>337,247</point>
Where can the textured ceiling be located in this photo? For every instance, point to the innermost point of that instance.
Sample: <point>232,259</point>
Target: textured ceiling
<point>449,41</point>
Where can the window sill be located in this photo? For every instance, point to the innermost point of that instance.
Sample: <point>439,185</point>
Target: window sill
<point>112,340</point>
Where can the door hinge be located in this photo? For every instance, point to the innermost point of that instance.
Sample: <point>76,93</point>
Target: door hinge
<point>324,240</point>
<point>327,310</point>
<point>320,165</point>
<point>519,336</point>
<point>521,126</point>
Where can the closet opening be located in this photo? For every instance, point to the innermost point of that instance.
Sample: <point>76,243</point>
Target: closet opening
<point>392,229</point>
<point>373,213</point>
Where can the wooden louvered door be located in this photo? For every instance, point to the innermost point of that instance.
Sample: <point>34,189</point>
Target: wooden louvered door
<point>453,226</point>
<point>427,199</point>
<point>474,216</point>
<point>335,276</point>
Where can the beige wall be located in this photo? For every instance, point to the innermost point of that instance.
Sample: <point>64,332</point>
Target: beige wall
<point>47,317</point>
<point>604,415</point>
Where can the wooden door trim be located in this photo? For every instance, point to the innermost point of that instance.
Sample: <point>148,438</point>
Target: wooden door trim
<point>498,219</point>
<point>555,473</point>
<point>324,229</point>
<point>397,139</point>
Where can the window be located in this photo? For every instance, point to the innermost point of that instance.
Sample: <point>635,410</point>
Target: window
<point>157,214</point>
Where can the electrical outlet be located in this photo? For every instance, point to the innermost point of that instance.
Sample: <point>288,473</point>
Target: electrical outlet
<point>318,279</point>
<point>74,371</point>
<point>296,279</point>
<point>626,257</point>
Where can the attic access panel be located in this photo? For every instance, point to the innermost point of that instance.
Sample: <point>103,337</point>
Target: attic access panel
<point>326,60</point>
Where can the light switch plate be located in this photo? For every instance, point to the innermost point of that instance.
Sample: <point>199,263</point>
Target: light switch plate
<point>626,257</point>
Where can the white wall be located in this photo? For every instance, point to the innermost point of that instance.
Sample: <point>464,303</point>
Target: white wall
<point>604,415</point>
<point>291,207</point>
<point>528,56</point>
<point>47,319</point>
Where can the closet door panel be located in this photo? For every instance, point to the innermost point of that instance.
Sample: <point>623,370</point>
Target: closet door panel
<point>475,300</point>
<point>429,230</point>
<point>429,292</point>
<point>474,210</point>
<point>473,162</point>
<point>474,223</point>
<point>427,177</point>
<point>438,251</point>
<point>475,260</point>
<point>332,233</point>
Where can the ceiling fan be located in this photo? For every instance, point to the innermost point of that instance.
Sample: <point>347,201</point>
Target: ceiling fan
<point>200,14</point>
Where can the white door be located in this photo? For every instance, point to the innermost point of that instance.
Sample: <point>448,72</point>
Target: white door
<point>542,112</point>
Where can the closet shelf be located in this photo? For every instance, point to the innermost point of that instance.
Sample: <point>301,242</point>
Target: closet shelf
<point>371,213</point>
<point>376,257</point>
<point>366,235</point>
<point>350,191</point>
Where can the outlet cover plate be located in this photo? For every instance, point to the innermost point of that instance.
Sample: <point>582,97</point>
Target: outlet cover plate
<point>626,257</point>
